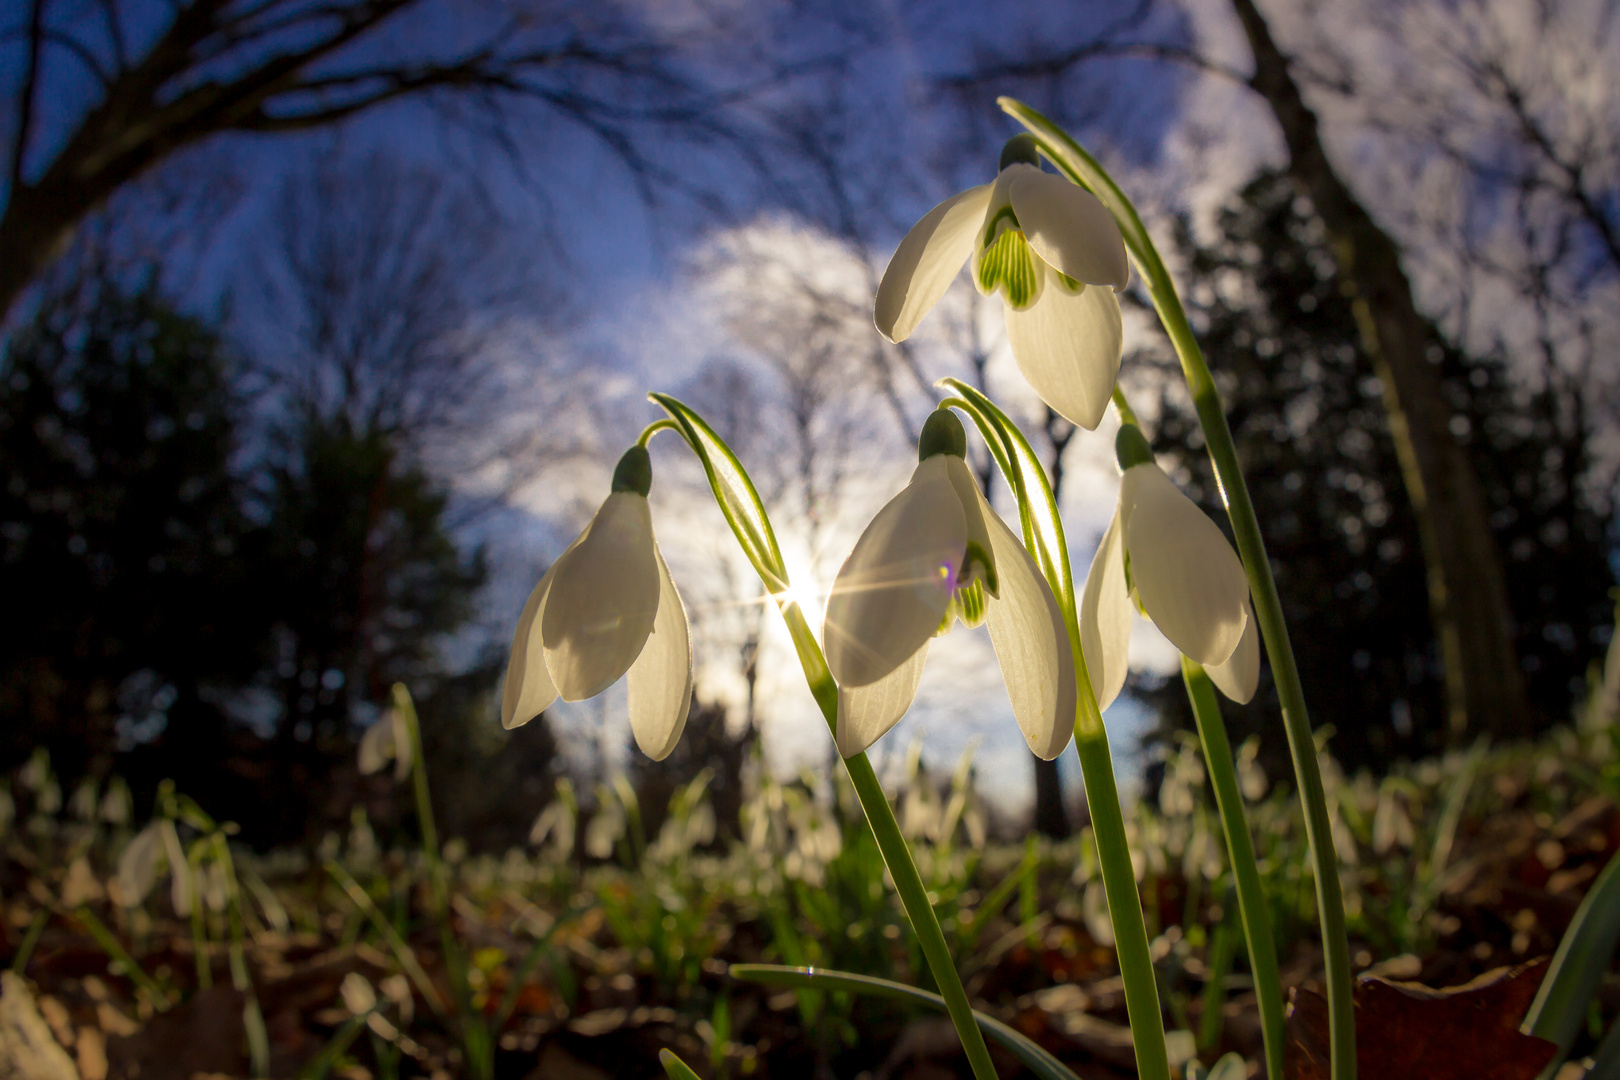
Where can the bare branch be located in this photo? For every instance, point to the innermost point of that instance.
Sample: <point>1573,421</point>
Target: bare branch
<point>30,88</point>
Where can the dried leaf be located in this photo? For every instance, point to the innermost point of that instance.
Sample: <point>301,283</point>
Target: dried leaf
<point>1407,1031</point>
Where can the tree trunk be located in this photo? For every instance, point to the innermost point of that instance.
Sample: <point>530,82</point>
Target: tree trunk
<point>1467,591</point>
<point>31,235</point>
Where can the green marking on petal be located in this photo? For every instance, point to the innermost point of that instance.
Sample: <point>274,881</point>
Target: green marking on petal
<point>1130,587</point>
<point>971,604</point>
<point>977,565</point>
<point>1069,283</point>
<point>1009,264</point>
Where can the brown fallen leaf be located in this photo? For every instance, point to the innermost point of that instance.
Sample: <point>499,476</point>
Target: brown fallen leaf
<point>1408,1031</point>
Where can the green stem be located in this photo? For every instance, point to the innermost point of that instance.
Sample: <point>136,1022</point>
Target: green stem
<point>1127,415</point>
<point>1251,898</point>
<point>739,502</point>
<point>424,801</point>
<point>1044,536</point>
<point>110,945</point>
<point>471,1028</point>
<point>1083,169</point>
<point>1284,672</point>
<point>908,882</point>
<point>19,963</point>
<point>1124,903</point>
<point>654,428</point>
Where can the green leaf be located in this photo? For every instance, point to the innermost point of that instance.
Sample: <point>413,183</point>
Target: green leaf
<point>1033,1056</point>
<point>674,1067</point>
<point>1577,968</point>
<point>733,490</point>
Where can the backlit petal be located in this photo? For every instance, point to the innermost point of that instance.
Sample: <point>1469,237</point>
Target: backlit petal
<point>927,259</point>
<point>1068,346</point>
<point>866,713</point>
<point>529,691</point>
<point>377,745</point>
<point>1238,677</point>
<point>661,677</point>
<point>603,600</point>
<point>1070,228</point>
<point>1032,644</point>
<point>976,514</point>
<point>1188,577</point>
<point>138,865</point>
<point>1105,618</point>
<point>894,589</point>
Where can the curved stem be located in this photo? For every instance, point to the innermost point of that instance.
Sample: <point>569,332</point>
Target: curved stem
<point>1251,898</point>
<point>654,428</point>
<point>1127,415</point>
<point>1044,536</point>
<point>745,513</point>
<point>1080,167</point>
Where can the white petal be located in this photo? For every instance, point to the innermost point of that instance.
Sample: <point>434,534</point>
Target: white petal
<point>1238,677</point>
<point>925,262</point>
<point>1032,643</point>
<point>529,691</point>
<point>402,744</point>
<point>603,600</point>
<point>138,865</point>
<point>1068,346</point>
<point>1070,228</point>
<point>179,869</point>
<point>894,589</point>
<point>976,514</point>
<point>866,713</point>
<point>1188,577</point>
<point>377,745</point>
<point>1105,618</point>
<point>661,677</point>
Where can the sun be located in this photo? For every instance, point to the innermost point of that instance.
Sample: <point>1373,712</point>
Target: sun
<point>806,590</point>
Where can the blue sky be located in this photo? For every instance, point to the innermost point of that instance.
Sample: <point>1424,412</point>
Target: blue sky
<point>634,313</point>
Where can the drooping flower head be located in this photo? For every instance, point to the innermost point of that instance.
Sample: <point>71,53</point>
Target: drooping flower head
<point>1046,245</point>
<point>1163,555</point>
<point>607,606</point>
<point>937,553</point>
<point>387,739</point>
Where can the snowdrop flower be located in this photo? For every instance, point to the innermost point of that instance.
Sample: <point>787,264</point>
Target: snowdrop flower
<point>1043,243</point>
<point>1165,555</point>
<point>935,553</point>
<point>155,849</point>
<point>607,606</point>
<point>387,738</point>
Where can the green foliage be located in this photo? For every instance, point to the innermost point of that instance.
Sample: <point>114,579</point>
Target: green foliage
<point>557,931</point>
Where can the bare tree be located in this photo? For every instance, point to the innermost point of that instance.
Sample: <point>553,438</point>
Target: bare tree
<point>406,306</point>
<point>276,66</point>
<point>1468,596</point>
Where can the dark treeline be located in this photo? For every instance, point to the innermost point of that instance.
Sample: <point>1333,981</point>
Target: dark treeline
<point>219,601</point>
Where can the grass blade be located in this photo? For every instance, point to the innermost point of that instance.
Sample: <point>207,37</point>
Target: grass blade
<point>1034,1057</point>
<point>1583,956</point>
<point>674,1067</point>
